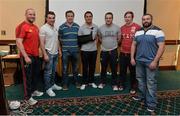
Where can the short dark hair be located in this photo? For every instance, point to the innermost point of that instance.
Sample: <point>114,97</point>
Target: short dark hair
<point>69,11</point>
<point>147,14</point>
<point>88,12</point>
<point>129,12</point>
<point>50,13</point>
<point>109,13</point>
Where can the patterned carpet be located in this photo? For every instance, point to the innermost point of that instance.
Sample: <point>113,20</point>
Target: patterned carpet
<point>119,104</point>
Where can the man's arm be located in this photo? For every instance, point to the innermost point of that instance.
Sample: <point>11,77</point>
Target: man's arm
<point>19,43</point>
<point>160,52</point>
<point>42,44</point>
<point>60,49</point>
<point>133,50</point>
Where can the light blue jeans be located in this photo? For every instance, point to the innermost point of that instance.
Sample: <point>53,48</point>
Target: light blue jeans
<point>50,70</point>
<point>147,83</point>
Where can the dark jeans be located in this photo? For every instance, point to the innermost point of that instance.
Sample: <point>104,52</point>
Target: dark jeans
<point>88,63</point>
<point>124,63</point>
<point>31,75</point>
<point>73,57</point>
<point>109,57</point>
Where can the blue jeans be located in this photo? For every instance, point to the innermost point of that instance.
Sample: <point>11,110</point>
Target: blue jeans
<point>147,83</point>
<point>106,58</point>
<point>50,70</point>
<point>73,57</point>
<point>88,63</point>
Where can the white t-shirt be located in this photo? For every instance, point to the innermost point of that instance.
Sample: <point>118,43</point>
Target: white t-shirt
<point>51,38</point>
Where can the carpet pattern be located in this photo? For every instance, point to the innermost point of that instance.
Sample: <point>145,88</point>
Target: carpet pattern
<point>119,104</point>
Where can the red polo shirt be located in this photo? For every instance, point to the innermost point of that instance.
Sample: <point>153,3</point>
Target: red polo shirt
<point>127,35</point>
<point>30,35</point>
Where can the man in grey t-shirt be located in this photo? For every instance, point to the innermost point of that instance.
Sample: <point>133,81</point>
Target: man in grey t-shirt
<point>109,37</point>
<point>88,51</point>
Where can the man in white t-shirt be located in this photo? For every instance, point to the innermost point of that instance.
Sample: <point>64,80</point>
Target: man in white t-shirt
<point>50,49</point>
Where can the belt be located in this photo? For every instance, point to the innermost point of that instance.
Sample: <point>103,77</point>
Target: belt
<point>125,54</point>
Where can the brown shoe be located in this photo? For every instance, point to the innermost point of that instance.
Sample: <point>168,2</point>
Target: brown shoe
<point>65,87</point>
<point>78,85</point>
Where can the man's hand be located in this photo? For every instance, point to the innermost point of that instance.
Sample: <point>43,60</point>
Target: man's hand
<point>60,53</point>
<point>27,60</point>
<point>46,58</point>
<point>133,62</point>
<point>153,65</point>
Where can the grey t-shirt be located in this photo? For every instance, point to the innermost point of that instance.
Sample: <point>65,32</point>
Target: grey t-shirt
<point>85,30</point>
<point>109,36</point>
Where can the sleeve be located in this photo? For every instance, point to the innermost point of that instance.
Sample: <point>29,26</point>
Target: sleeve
<point>20,32</point>
<point>99,32</point>
<point>60,33</point>
<point>42,33</point>
<point>135,36</point>
<point>160,37</point>
<point>119,33</point>
<point>80,31</point>
<point>95,31</point>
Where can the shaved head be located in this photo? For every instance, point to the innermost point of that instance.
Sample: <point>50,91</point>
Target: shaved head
<point>30,15</point>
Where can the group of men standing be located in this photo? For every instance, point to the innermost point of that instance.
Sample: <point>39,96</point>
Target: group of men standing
<point>140,51</point>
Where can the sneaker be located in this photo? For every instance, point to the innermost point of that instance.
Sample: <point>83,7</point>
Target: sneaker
<point>56,87</point>
<point>83,87</point>
<point>136,98</point>
<point>121,88</point>
<point>150,109</point>
<point>65,87</point>
<point>37,93</point>
<point>93,85</point>
<point>132,91</point>
<point>101,86</point>
<point>50,92</point>
<point>115,88</point>
<point>32,101</point>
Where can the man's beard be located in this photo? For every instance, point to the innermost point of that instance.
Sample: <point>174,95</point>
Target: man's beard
<point>146,24</point>
<point>30,21</point>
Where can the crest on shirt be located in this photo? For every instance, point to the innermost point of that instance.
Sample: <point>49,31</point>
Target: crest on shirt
<point>30,30</point>
<point>133,29</point>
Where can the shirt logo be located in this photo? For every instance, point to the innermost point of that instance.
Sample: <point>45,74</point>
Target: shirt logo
<point>30,30</point>
<point>133,29</point>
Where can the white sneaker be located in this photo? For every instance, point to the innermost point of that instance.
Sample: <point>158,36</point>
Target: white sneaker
<point>115,88</point>
<point>83,87</point>
<point>50,92</point>
<point>101,86</point>
<point>56,87</point>
<point>37,93</point>
<point>32,101</point>
<point>93,85</point>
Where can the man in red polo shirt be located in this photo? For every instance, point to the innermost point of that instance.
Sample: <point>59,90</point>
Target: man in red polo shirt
<point>127,34</point>
<point>27,40</point>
